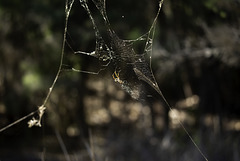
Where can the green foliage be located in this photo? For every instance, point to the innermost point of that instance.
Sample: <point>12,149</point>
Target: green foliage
<point>215,6</point>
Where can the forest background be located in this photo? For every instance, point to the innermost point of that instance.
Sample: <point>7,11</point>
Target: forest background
<point>196,62</point>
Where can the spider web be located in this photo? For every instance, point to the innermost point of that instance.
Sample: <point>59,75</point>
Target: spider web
<point>131,69</point>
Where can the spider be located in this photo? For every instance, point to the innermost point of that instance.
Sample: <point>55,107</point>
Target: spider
<point>116,77</point>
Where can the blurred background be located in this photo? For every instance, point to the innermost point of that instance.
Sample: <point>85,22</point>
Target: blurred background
<point>196,62</point>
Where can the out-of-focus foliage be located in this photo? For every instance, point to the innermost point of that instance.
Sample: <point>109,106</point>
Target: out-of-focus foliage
<point>196,61</point>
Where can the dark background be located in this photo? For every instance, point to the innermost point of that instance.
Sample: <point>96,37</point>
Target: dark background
<point>196,62</point>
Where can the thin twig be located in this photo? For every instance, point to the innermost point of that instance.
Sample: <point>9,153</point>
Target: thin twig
<point>18,121</point>
<point>67,12</point>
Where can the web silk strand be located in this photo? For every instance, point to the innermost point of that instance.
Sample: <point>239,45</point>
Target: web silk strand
<point>152,29</point>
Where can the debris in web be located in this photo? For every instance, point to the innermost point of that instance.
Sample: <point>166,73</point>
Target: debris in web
<point>37,122</point>
<point>102,51</point>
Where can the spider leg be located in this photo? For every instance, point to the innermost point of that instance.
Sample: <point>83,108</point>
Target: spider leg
<point>113,75</point>
<point>117,74</point>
